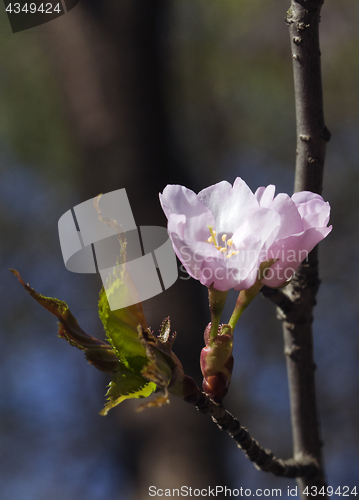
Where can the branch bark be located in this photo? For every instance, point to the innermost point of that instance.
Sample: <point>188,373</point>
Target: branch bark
<point>303,20</point>
<point>304,466</point>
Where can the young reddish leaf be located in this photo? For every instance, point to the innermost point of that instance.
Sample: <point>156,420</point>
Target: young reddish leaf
<point>98,353</point>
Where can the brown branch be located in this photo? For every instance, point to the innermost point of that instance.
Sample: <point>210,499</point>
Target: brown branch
<point>262,458</point>
<point>278,297</point>
<point>312,135</point>
<point>303,20</point>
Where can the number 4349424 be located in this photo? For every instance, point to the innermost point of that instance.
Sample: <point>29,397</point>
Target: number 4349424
<point>329,491</point>
<point>32,8</point>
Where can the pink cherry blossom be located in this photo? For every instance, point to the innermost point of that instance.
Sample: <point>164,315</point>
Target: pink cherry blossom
<point>223,233</point>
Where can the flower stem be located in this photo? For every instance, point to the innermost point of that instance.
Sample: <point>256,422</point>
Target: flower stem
<point>216,299</point>
<point>245,297</point>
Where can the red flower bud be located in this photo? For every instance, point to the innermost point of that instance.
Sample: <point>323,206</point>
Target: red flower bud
<point>217,362</point>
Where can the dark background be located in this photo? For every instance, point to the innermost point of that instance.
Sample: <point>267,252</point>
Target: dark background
<point>139,94</point>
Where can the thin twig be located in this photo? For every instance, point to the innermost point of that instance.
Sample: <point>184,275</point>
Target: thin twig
<point>312,135</point>
<point>262,458</point>
<point>303,20</point>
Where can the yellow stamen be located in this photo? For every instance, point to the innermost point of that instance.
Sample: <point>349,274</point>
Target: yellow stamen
<point>213,234</point>
<point>225,249</point>
<point>232,253</point>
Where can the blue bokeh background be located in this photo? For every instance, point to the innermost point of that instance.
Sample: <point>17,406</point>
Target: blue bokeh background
<point>231,109</point>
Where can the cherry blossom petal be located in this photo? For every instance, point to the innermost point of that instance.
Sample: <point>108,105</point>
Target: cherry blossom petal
<point>291,252</point>
<point>228,204</point>
<point>305,196</point>
<point>291,221</point>
<point>265,195</point>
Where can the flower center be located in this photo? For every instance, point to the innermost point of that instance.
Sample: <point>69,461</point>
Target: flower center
<point>227,243</point>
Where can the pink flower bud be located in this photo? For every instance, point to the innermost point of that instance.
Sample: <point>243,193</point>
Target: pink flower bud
<point>217,362</point>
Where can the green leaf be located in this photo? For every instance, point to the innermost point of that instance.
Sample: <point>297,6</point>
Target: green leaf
<point>98,353</point>
<point>121,329</point>
<point>126,385</point>
<point>127,381</point>
<point>140,362</point>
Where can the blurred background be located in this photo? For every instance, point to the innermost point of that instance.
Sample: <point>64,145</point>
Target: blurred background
<point>136,94</point>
